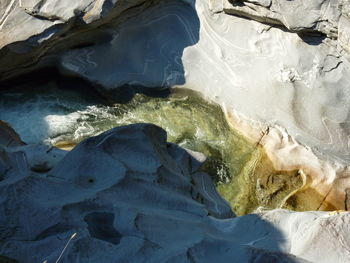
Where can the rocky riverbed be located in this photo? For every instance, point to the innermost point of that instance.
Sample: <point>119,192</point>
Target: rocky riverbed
<point>127,195</point>
<point>242,171</point>
<point>174,131</point>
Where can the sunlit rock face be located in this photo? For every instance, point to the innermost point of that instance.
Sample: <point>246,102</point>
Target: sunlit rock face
<point>127,195</point>
<point>296,16</point>
<point>263,72</point>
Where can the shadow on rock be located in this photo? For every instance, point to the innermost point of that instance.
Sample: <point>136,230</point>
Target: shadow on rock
<point>142,55</point>
<point>129,196</point>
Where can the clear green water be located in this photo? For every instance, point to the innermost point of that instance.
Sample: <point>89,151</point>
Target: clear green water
<point>241,170</point>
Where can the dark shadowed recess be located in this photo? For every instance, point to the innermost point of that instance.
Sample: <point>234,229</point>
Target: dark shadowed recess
<point>122,94</point>
<point>126,92</point>
<point>100,226</point>
<point>312,38</point>
<point>39,78</point>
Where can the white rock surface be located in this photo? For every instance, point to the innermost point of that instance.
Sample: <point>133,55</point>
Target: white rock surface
<point>128,196</point>
<point>297,15</point>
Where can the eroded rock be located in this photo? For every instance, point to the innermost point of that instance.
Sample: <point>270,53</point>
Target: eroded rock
<point>128,195</point>
<point>296,16</point>
<point>8,136</point>
<point>181,49</point>
<point>32,30</point>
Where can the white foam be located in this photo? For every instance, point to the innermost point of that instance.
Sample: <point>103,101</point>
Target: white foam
<point>43,118</point>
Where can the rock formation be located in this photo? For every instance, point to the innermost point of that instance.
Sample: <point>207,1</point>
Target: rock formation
<point>176,37</point>
<point>129,196</point>
<point>278,68</point>
<point>288,74</point>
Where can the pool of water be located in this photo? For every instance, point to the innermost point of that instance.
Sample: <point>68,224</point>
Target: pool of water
<point>241,170</point>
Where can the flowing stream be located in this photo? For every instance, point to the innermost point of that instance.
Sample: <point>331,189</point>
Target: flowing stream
<point>242,172</point>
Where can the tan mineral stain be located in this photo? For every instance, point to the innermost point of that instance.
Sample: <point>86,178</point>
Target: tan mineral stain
<point>325,184</point>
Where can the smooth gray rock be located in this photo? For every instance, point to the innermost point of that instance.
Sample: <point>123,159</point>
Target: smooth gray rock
<point>297,16</point>
<point>129,196</point>
<point>343,28</point>
<point>32,29</point>
<point>329,17</point>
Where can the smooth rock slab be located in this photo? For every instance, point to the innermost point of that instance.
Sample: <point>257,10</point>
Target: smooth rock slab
<point>297,15</point>
<point>129,196</point>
